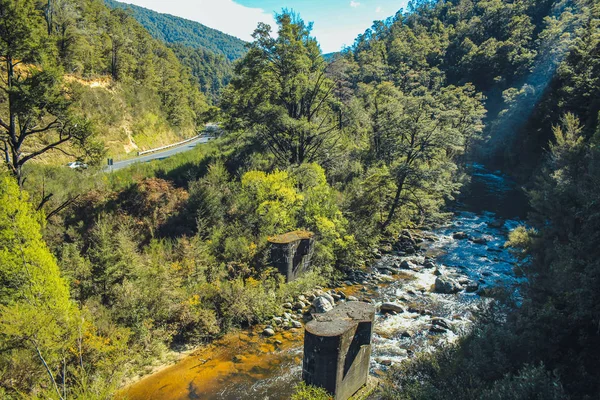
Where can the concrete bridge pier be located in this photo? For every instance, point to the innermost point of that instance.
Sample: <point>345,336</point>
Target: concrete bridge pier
<point>337,349</point>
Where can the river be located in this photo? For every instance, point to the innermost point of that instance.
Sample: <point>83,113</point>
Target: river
<point>246,365</point>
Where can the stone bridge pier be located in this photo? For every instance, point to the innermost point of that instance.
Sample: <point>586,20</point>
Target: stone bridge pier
<point>337,349</point>
<point>291,253</point>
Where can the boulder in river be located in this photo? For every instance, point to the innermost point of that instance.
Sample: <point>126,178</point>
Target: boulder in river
<point>460,235</point>
<point>351,298</point>
<point>268,332</point>
<point>405,264</point>
<point>478,240</point>
<point>437,329</point>
<point>329,298</point>
<point>472,287</point>
<point>441,322</point>
<point>391,307</point>
<point>322,305</point>
<point>446,285</point>
<point>386,268</point>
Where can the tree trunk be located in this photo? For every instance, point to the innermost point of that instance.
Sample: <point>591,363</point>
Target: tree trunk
<point>395,204</point>
<point>15,146</point>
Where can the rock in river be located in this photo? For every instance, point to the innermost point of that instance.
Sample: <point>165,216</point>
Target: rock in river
<point>446,285</point>
<point>268,332</point>
<point>460,235</point>
<point>322,305</point>
<point>391,307</point>
<point>479,240</point>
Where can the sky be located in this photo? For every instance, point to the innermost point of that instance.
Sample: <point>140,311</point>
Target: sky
<point>336,22</point>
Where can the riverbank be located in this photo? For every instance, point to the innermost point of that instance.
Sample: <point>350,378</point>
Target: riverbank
<point>425,300</point>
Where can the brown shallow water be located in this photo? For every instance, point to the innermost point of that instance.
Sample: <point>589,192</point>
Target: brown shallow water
<point>242,364</point>
<point>226,369</point>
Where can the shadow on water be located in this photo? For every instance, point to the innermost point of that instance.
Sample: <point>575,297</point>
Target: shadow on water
<point>493,192</point>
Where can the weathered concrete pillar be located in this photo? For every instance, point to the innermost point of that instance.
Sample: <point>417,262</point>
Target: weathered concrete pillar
<point>337,349</point>
<point>291,253</point>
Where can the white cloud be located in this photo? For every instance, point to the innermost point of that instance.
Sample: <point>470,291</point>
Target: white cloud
<point>378,10</point>
<point>354,4</point>
<point>224,15</point>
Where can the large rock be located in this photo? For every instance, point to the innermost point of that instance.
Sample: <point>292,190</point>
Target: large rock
<point>386,268</point>
<point>460,235</point>
<point>322,305</point>
<point>479,240</point>
<point>391,307</point>
<point>497,223</point>
<point>405,264</point>
<point>329,298</point>
<point>446,285</point>
<point>472,286</point>
<point>268,332</point>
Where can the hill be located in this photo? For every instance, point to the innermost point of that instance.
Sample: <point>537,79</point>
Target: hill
<point>207,52</point>
<point>176,30</point>
<point>130,88</point>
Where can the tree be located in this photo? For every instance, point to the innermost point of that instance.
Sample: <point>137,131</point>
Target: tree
<point>37,318</point>
<point>35,116</point>
<point>282,92</point>
<point>417,137</point>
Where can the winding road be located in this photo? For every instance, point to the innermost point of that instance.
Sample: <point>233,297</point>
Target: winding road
<point>159,155</point>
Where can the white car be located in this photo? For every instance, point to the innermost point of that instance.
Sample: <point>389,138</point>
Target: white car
<point>77,165</point>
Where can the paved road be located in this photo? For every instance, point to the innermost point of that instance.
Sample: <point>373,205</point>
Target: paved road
<point>159,155</point>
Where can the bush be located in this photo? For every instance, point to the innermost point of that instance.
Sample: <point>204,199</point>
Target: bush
<point>307,392</point>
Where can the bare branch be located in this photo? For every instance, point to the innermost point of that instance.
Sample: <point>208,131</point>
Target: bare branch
<point>45,149</point>
<point>47,369</point>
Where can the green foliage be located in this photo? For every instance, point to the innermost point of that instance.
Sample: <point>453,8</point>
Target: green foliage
<point>281,92</point>
<point>212,71</point>
<point>415,139</point>
<point>306,392</point>
<point>206,52</point>
<point>43,334</point>
<point>191,34</point>
<point>35,110</point>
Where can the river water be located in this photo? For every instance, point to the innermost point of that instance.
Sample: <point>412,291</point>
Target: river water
<point>246,365</point>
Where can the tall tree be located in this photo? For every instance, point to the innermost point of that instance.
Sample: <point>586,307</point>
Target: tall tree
<point>34,105</point>
<point>37,318</point>
<point>417,136</point>
<point>282,92</point>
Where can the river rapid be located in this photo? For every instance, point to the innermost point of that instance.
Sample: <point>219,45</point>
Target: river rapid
<point>468,252</point>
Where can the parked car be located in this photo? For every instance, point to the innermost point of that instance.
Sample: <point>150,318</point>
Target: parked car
<point>77,165</point>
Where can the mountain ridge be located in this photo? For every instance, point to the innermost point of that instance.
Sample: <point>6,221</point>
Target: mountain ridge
<point>172,29</point>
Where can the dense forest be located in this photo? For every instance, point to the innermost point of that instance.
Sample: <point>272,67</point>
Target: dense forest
<point>103,274</point>
<point>207,52</point>
<point>175,30</point>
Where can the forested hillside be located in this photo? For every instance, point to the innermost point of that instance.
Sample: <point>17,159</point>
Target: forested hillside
<point>103,275</point>
<point>129,88</point>
<point>526,57</point>
<point>207,52</point>
<point>176,30</point>
<point>537,65</point>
